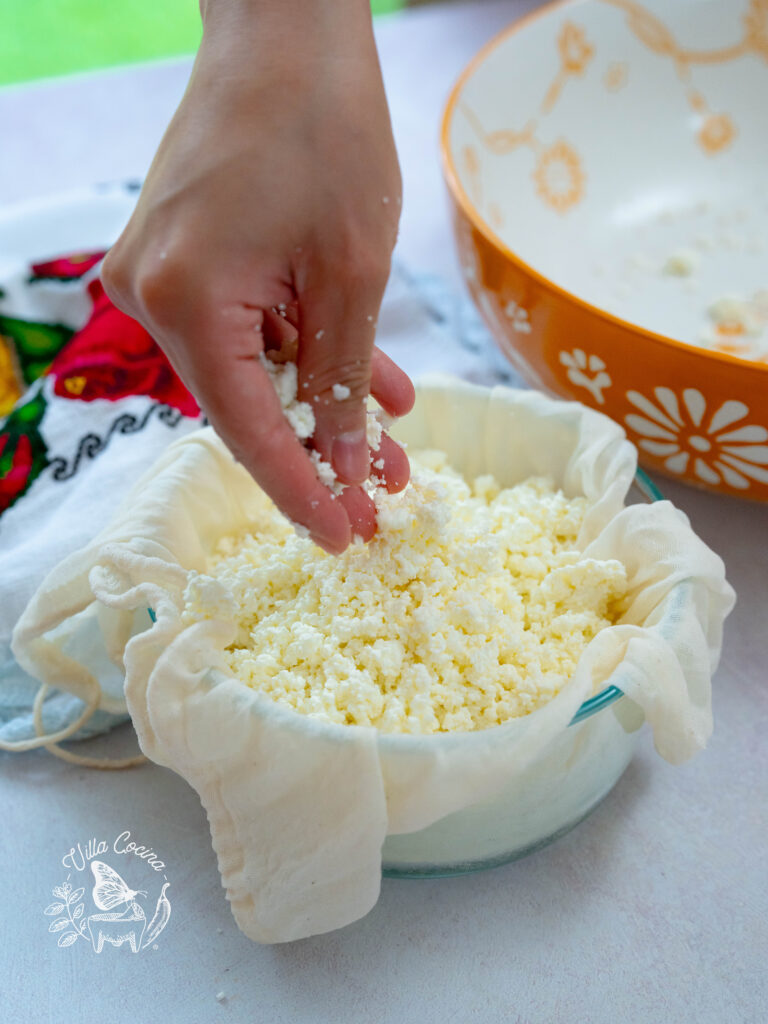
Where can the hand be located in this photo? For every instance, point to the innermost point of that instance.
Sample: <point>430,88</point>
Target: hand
<point>267,219</point>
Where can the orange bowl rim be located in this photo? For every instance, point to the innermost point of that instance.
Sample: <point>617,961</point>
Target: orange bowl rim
<point>470,211</point>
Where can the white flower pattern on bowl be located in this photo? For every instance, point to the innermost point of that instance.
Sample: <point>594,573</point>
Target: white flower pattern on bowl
<point>519,317</point>
<point>718,448</point>
<point>578,363</point>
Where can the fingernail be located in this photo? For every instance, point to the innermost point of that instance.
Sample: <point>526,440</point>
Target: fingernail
<point>330,547</point>
<point>350,457</point>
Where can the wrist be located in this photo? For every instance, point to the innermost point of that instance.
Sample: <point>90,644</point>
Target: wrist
<point>293,43</point>
<point>287,18</point>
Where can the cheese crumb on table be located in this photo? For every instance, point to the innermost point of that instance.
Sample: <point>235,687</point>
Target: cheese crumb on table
<point>471,606</point>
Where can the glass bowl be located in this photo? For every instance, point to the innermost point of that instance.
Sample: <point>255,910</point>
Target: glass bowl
<point>556,792</point>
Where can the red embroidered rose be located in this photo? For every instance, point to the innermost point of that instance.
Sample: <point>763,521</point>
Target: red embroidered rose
<point>14,481</point>
<point>66,268</point>
<point>112,357</point>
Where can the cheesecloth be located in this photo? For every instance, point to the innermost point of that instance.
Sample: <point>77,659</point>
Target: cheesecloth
<point>299,807</point>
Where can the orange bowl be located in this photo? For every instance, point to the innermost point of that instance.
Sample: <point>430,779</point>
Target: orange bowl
<point>605,161</point>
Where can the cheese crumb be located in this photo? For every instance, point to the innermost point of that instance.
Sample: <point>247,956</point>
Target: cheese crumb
<point>325,473</point>
<point>470,607</point>
<point>373,432</point>
<point>735,316</point>
<point>681,263</point>
<point>284,378</point>
<point>340,392</point>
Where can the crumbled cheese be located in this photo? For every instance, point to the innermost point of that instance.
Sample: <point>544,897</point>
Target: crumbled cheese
<point>378,422</point>
<point>373,432</point>
<point>284,378</point>
<point>301,419</point>
<point>736,316</point>
<point>738,327</point>
<point>300,416</point>
<point>207,598</point>
<point>384,418</point>
<point>681,263</point>
<point>470,606</point>
<point>326,473</point>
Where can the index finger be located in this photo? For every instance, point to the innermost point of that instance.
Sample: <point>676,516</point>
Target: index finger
<point>241,403</point>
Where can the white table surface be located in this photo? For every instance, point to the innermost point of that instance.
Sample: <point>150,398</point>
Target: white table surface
<point>653,910</point>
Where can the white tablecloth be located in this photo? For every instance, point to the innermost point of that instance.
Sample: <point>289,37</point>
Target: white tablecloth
<point>653,910</point>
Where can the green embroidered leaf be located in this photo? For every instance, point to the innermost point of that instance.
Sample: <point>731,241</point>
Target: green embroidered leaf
<point>36,344</point>
<point>23,454</point>
<point>36,369</point>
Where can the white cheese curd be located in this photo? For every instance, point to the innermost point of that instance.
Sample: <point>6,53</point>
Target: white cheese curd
<point>284,378</point>
<point>301,418</point>
<point>681,263</point>
<point>739,326</point>
<point>373,431</point>
<point>737,316</point>
<point>470,606</point>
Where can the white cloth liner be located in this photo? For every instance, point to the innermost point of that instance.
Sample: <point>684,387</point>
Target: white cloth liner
<point>298,807</point>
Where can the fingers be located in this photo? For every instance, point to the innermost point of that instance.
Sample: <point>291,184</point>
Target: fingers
<point>240,401</point>
<point>390,386</point>
<point>281,339</point>
<point>216,346</point>
<point>337,331</point>
<point>391,466</point>
<point>360,512</point>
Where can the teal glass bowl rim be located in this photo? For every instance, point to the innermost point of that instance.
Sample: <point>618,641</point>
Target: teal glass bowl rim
<point>610,694</point>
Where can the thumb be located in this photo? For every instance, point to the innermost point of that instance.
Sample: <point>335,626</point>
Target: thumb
<point>336,334</point>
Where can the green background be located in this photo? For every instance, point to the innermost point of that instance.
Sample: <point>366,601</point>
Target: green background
<point>42,38</point>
